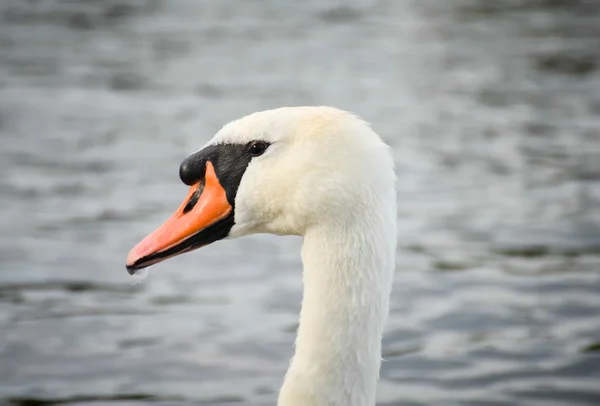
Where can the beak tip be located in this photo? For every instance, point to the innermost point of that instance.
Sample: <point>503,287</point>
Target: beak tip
<point>132,258</point>
<point>130,269</point>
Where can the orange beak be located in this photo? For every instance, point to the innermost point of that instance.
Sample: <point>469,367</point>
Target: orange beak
<point>196,223</point>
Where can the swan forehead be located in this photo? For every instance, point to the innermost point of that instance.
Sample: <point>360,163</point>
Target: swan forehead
<point>287,123</point>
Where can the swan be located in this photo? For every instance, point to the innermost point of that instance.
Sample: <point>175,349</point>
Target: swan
<point>321,173</point>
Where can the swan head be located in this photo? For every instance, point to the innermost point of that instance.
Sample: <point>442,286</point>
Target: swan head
<point>281,171</point>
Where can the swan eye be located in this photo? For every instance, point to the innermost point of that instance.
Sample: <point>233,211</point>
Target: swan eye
<point>258,148</point>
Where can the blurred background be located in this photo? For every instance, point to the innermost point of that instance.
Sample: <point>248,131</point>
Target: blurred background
<point>493,112</point>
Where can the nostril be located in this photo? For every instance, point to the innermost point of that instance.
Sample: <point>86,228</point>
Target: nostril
<point>194,199</point>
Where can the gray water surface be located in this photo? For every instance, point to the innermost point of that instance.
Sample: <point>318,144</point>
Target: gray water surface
<point>493,113</point>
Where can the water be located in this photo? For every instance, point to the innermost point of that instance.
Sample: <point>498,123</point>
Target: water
<point>493,112</point>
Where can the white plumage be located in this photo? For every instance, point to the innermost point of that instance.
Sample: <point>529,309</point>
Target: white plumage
<point>328,177</point>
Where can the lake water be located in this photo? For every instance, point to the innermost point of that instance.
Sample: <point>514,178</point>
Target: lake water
<point>493,113</point>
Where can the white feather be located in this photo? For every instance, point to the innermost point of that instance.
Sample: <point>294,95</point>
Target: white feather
<point>328,177</point>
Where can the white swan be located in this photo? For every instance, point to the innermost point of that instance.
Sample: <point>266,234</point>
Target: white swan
<point>323,174</point>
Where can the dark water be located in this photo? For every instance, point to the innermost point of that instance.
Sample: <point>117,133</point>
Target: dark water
<point>493,111</point>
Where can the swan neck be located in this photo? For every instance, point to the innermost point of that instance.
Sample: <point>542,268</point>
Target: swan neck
<point>347,280</point>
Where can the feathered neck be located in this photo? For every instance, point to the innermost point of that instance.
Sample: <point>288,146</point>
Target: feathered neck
<point>348,269</point>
